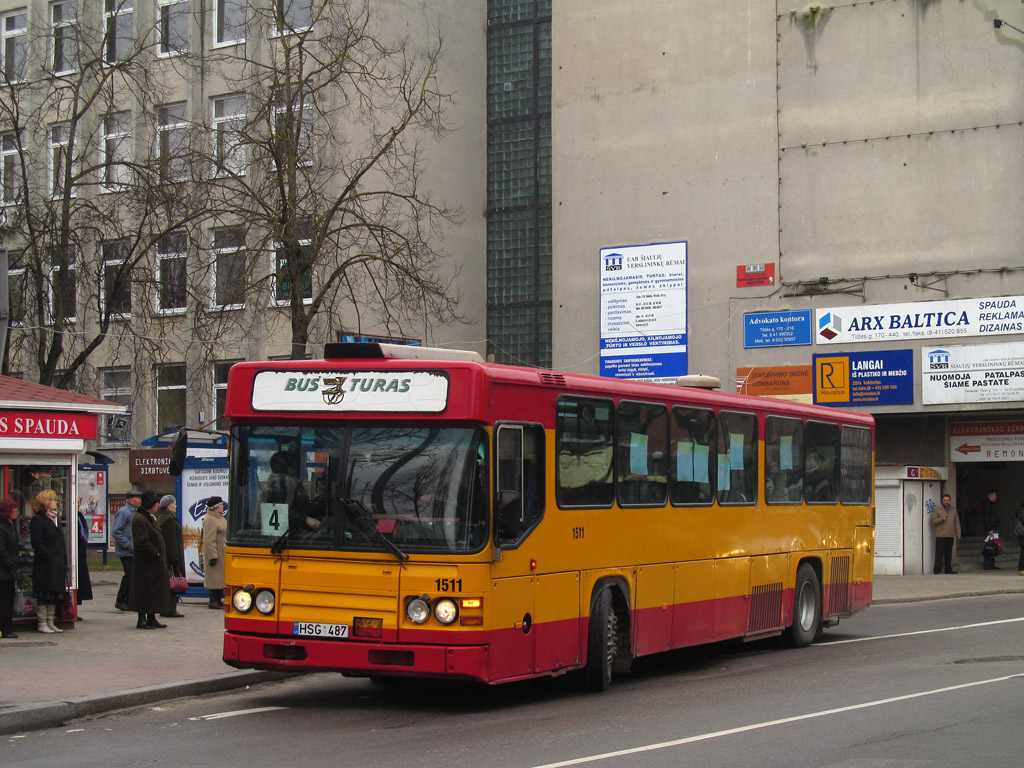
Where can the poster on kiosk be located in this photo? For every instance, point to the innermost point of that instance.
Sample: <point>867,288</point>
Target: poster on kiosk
<point>201,478</point>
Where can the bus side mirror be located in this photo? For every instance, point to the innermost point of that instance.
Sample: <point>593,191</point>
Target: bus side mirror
<point>510,513</point>
<point>179,451</point>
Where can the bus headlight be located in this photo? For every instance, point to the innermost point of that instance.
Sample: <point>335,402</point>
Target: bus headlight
<point>242,600</point>
<point>265,602</point>
<point>417,610</point>
<point>445,611</point>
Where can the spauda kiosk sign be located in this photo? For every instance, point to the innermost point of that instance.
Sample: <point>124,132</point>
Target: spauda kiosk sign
<point>350,391</point>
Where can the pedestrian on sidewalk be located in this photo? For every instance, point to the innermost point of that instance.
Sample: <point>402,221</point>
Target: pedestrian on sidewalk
<point>84,582</point>
<point>946,522</point>
<point>9,559</point>
<point>215,529</point>
<point>150,591</point>
<point>990,521</point>
<point>124,548</point>
<point>167,519</point>
<point>1019,530</point>
<point>49,563</point>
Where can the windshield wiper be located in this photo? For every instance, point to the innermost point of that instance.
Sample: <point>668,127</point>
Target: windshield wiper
<point>367,523</point>
<point>278,546</point>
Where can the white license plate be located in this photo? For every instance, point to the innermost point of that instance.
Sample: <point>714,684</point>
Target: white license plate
<point>310,629</point>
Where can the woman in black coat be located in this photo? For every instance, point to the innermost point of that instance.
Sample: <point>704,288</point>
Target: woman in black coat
<point>8,565</point>
<point>84,582</point>
<point>50,562</point>
<point>150,591</point>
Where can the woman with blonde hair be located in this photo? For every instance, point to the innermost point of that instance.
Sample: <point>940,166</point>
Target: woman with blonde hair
<point>49,566</point>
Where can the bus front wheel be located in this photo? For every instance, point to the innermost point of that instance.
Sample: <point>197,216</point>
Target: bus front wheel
<point>601,643</point>
<point>806,606</point>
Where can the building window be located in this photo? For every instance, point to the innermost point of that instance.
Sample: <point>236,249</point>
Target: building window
<point>63,289</point>
<point>230,21</point>
<point>119,16</point>
<point>16,285</point>
<point>117,286</point>
<point>14,26</point>
<point>116,150</point>
<point>519,317</point>
<point>171,257</point>
<point>293,125</point>
<point>172,26</point>
<point>229,268</point>
<point>293,15</point>
<point>228,121</point>
<point>116,386</point>
<point>59,157</point>
<point>170,398</point>
<point>11,186</point>
<point>220,391</point>
<point>171,137</point>
<point>64,25</point>
<point>282,275</point>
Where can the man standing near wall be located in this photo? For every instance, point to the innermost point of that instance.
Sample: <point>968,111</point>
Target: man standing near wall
<point>947,527</point>
<point>124,546</point>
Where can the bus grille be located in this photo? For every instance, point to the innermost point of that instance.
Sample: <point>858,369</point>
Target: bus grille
<point>839,587</point>
<point>765,609</point>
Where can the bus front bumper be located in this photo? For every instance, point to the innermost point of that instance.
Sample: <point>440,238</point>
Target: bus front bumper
<point>468,662</point>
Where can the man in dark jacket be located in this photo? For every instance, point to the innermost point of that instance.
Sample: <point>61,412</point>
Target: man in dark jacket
<point>990,522</point>
<point>123,546</point>
<point>150,592</point>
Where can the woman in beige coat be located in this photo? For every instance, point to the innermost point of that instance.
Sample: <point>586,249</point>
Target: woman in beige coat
<point>215,529</point>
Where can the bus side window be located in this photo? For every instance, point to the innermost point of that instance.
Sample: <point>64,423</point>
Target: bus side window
<point>692,453</point>
<point>737,458</point>
<point>641,460</point>
<point>519,481</point>
<point>821,463</point>
<point>583,440</point>
<point>783,460</point>
<point>856,466</point>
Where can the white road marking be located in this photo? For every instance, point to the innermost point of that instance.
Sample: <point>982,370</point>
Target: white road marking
<point>773,723</point>
<point>918,632</point>
<point>236,713</point>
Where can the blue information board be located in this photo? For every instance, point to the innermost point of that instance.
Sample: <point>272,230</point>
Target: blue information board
<point>865,378</point>
<point>777,329</point>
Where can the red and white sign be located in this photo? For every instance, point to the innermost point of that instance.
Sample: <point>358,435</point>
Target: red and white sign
<point>986,441</point>
<point>48,424</point>
<point>755,275</point>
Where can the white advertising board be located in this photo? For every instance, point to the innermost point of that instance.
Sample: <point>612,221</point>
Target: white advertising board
<point>368,392</point>
<point>920,320</point>
<point>986,441</point>
<point>643,312</point>
<point>983,373</point>
<point>197,485</point>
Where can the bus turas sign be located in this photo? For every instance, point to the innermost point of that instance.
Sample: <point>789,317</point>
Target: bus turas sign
<point>350,391</point>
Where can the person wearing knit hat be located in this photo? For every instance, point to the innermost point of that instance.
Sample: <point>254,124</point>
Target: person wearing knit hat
<point>167,519</point>
<point>150,591</point>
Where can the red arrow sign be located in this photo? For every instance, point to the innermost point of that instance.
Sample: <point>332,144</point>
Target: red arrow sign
<point>965,449</point>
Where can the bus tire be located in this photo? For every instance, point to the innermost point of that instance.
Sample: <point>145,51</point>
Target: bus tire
<point>806,607</point>
<point>601,643</point>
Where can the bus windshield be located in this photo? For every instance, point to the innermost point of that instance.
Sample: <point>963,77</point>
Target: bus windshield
<point>397,489</point>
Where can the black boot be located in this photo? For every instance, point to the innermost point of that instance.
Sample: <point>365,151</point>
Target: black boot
<point>143,623</point>
<point>153,623</point>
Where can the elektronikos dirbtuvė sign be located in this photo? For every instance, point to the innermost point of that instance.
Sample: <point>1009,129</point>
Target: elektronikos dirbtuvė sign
<point>643,312</point>
<point>920,320</point>
<point>360,391</point>
<point>981,373</point>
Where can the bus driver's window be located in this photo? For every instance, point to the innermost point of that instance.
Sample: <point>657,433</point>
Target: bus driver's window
<point>519,481</point>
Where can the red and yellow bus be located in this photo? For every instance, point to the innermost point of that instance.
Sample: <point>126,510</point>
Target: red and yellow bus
<point>403,511</point>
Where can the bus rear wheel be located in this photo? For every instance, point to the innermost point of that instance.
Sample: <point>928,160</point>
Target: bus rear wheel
<point>601,643</point>
<point>806,607</point>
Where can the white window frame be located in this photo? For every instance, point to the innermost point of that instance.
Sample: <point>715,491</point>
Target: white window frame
<point>59,149</point>
<point>15,38</point>
<point>164,137</point>
<point>274,300</point>
<point>165,11</point>
<point>229,156</point>
<point>52,289</point>
<point>115,151</point>
<point>282,7</point>
<point>10,154</point>
<point>171,388</point>
<point>11,273</point>
<point>305,148</point>
<point>161,258</point>
<point>225,251</point>
<point>115,261</point>
<point>115,392</point>
<point>68,34</point>
<point>114,13</point>
<point>220,29</point>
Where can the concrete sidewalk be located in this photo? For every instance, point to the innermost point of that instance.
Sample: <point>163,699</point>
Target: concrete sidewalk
<point>104,663</point>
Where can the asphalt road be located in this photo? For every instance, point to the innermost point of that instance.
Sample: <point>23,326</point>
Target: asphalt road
<point>921,684</point>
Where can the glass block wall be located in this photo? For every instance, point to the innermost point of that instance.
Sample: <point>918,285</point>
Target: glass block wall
<point>519,181</point>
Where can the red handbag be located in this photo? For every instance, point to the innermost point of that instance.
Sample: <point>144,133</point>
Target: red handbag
<point>179,584</point>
